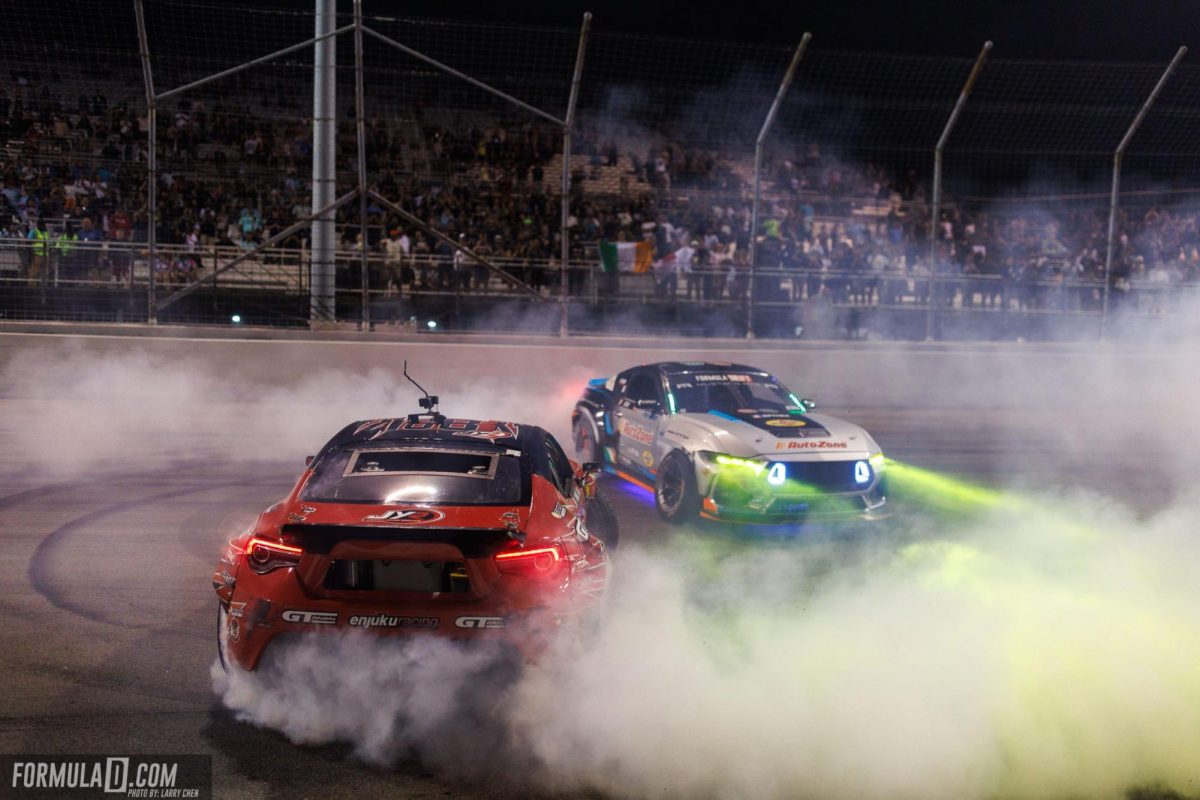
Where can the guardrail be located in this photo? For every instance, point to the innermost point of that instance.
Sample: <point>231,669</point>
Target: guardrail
<point>84,280</point>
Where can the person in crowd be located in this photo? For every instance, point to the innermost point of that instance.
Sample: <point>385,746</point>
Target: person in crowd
<point>39,252</point>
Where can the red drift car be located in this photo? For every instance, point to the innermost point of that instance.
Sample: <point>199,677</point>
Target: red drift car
<point>421,524</point>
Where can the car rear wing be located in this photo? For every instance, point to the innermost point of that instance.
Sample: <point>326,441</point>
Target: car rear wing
<point>472,542</point>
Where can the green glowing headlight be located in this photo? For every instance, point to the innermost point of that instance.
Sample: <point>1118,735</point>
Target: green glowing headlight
<point>724,460</point>
<point>877,461</point>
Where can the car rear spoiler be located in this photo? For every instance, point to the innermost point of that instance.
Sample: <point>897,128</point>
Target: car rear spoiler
<point>473,542</point>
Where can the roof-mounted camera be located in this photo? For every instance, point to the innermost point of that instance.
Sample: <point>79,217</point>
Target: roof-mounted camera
<point>429,402</point>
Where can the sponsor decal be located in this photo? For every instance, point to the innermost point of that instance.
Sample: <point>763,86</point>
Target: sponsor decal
<point>723,377</point>
<point>302,515</point>
<point>492,431</point>
<point>559,511</point>
<point>486,429</point>
<point>407,516</point>
<point>511,520</point>
<point>376,427</point>
<point>233,628</point>
<point>391,621</point>
<point>581,530</point>
<point>812,444</point>
<point>480,622</point>
<point>237,609</point>
<point>310,617</point>
<point>787,423</point>
<point>84,776</point>
<point>647,458</point>
<point>635,432</point>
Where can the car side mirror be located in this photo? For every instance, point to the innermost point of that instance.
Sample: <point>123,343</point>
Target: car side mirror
<point>308,460</point>
<point>809,403</point>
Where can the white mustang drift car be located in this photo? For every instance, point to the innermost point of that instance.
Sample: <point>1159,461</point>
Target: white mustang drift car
<point>729,442</point>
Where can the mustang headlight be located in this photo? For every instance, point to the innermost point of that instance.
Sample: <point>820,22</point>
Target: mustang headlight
<point>723,460</point>
<point>877,462</point>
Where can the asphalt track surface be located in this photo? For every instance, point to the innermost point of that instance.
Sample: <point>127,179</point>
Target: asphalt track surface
<point>108,629</point>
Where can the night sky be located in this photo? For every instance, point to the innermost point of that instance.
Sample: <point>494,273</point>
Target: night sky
<point>1100,30</point>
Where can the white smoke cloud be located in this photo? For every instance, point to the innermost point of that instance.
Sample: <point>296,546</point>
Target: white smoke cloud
<point>428,698</point>
<point>81,408</point>
<point>1030,655</point>
<point>1044,647</point>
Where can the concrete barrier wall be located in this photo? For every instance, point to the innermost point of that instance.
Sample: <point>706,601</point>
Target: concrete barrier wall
<point>836,374</point>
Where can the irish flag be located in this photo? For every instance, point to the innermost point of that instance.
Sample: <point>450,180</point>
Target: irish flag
<point>626,256</point>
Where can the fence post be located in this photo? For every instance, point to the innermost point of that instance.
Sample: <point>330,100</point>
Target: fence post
<point>1116,180</point>
<point>568,122</point>
<point>758,149</point>
<point>935,210</point>
<point>151,166</point>
<point>361,132</point>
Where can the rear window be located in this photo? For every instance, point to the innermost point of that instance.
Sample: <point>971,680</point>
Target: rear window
<point>418,475</point>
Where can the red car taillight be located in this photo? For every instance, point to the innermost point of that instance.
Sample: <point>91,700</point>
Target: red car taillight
<point>541,562</point>
<point>265,555</point>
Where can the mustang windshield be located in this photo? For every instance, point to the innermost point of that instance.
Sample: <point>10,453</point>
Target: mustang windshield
<point>417,475</point>
<point>730,393</point>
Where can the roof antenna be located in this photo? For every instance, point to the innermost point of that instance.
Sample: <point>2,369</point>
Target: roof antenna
<point>429,402</point>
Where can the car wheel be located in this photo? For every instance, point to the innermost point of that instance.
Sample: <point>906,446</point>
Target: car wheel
<point>675,494</point>
<point>223,635</point>
<point>602,520</point>
<point>587,444</point>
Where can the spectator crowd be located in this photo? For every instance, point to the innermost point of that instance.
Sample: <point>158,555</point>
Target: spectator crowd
<point>234,169</point>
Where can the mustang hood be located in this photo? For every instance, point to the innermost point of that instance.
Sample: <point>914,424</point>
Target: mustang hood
<point>748,432</point>
<point>778,424</point>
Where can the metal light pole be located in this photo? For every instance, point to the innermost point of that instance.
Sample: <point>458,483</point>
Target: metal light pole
<point>323,267</point>
<point>568,123</point>
<point>361,132</point>
<point>758,151</point>
<point>1116,179</point>
<point>151,167</point>
<point>935,211</point>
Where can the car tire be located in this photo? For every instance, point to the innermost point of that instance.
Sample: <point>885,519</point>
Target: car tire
<point>675,493</point>
<point>586,439</point>
<point>602,520</point>
<point>223,635</point>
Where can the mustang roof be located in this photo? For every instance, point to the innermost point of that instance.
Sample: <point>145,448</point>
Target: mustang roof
<point>427,430</point>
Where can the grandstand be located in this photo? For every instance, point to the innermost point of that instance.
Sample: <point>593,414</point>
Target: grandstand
<point>472,233</point>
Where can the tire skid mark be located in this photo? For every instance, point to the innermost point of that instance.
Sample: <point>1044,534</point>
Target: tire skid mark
<point>40,573</point>
<point>38,492</point>
<point>204,547</point>
<point>35,493</point>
